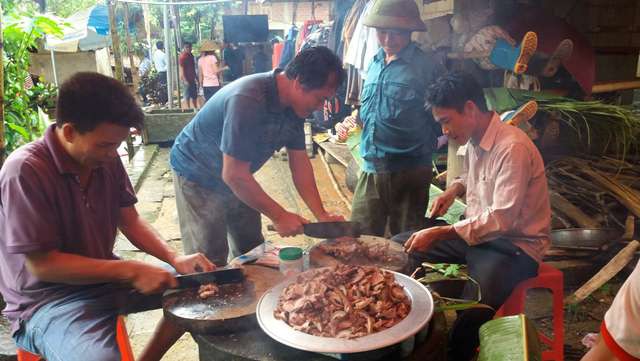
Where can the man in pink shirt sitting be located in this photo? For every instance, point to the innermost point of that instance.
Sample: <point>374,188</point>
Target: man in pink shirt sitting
<point>506,228</point>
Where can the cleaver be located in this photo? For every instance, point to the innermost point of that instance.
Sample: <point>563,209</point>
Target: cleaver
<point>221,276</point>
<point>329,229</point>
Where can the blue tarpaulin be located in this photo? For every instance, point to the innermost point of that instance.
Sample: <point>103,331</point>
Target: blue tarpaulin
<point>88,30</point>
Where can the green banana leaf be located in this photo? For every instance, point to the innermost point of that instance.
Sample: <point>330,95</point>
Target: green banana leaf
<point>512,338</point>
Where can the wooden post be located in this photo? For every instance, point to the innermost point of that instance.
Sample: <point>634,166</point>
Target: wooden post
<point>2,149</point>
<point>134,69</point>
<point>115,40</point>
<point>245,7</point>
<point>167,50</point>
<point>117,57</point>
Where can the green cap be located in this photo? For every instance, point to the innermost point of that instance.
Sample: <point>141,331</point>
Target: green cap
<point>290,253</point>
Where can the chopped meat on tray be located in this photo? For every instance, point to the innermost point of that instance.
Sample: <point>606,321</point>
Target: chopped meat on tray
<point>343,301</point>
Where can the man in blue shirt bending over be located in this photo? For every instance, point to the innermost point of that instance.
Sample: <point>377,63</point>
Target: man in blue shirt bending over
<point>231,137</point>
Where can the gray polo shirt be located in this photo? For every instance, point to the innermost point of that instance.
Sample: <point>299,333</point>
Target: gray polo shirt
<point>245,120</point>
<point>43,208</point>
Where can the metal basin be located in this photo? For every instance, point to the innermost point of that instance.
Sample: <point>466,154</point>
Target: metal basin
<point>421,312</point>
<point>586,238</point>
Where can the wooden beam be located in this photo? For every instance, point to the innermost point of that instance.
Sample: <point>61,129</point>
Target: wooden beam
<point>132,68</point>
<point>605,274</point>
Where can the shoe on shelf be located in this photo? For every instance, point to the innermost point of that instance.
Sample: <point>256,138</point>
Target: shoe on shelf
<point>561,53</point>
<point>527,48</point>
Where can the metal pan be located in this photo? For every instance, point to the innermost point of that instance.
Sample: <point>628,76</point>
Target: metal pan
<point>225,312</point>
<point>418,317</point>
<point>585,238</point>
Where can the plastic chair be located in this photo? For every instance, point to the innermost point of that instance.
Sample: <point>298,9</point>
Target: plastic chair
<point>122,338</point>
<point>551,279</point>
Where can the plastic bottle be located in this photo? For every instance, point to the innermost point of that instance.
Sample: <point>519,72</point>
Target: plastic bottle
<point>291,261</point>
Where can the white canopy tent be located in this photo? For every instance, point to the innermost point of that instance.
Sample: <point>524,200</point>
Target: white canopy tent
<point>87,30</point>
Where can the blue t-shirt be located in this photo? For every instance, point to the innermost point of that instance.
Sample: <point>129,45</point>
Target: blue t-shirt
<point>398,134</point>
<point>245,120</point>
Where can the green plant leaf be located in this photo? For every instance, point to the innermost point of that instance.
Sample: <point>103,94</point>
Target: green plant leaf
<point>19,129</point>
<point>512,338</point>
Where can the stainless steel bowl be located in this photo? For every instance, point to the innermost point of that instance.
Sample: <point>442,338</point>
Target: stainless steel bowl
<point>587,238</point>
<point>416,320</point>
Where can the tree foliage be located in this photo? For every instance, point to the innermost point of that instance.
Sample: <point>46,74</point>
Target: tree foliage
<point>23,118</point>
<point>64,8</point>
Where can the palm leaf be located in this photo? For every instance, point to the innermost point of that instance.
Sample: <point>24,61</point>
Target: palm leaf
<point>512,338</point>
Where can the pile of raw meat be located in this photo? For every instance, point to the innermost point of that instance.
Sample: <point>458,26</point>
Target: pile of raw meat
<point>343,301</point>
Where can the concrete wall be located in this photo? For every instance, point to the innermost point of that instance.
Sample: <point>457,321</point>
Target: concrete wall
<point>281,13</point>
<point>66,64</point>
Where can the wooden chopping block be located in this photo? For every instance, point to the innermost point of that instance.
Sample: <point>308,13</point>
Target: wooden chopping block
<point>605,274</point>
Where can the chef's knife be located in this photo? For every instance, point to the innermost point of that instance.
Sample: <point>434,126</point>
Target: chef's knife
<point>219,277</point>
<point>332,229</point>
<point>329,229</point>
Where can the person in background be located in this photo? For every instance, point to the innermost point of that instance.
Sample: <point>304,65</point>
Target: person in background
<point>187,74</point>
<point>620,330</point>
<point>144,70</point>
<point>208,69</point>
<point>261,61</point>
<point>398,135</point>
<point>64,198</point>
<point>233,57</point>
<point>160,63</point>
<point>506,230</point>
<point>214,157</point>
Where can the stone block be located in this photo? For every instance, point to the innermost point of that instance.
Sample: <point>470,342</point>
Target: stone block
<point>162,126</point>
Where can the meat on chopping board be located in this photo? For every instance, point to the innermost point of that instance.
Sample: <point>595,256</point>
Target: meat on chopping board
<point>343,301</point>
<point>347,249</point>
<point>208,290</point>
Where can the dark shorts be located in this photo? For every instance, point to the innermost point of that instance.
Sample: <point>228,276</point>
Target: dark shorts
<point>209,91</point>
<point>189,91</point>
<point>82,325</point>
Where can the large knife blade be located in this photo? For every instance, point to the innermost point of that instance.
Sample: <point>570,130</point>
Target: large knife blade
<point>221,276</point>
<point>332,229</point>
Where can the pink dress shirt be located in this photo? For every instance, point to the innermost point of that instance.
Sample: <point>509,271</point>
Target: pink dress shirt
<point>506,191</point>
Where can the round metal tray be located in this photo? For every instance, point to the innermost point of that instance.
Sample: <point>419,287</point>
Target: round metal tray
<point>420,314</point>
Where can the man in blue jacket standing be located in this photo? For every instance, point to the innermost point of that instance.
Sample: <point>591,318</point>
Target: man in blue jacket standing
<point>398,135</point>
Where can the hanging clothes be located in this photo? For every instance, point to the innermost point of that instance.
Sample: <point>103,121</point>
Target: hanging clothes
<point>350,22</point>
<point>289,49</point>
<point>364,44</point>
<point>277,54</point>
<point>354,85</point>
<point>307,28</point>
<point>318,37</point>
<point>342,8</point>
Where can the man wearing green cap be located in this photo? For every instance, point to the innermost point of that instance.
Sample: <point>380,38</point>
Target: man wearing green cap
<point>398,135</point>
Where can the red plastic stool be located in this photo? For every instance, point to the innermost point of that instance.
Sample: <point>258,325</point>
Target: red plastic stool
<point>122,338</point>
<point>552,279</point>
